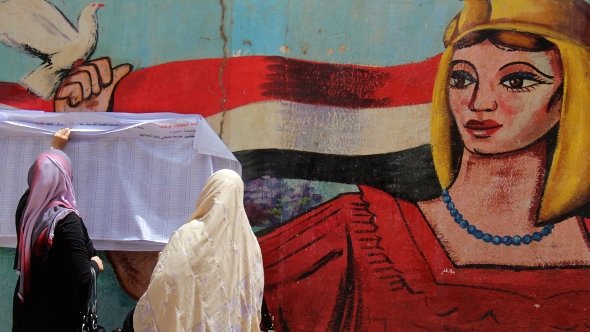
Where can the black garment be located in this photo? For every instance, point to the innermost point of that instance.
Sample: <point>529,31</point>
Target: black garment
<point>20,210</point>
<point>60,284</point>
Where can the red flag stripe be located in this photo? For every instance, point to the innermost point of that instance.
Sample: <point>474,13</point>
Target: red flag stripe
<point>210,86</point>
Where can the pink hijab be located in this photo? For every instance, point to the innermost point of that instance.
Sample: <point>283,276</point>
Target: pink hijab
<point>51,199</point>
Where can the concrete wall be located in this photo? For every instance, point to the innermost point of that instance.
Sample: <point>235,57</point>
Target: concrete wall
<point>313,97</point>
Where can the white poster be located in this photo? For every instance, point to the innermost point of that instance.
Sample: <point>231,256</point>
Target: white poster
<point>136,176</point>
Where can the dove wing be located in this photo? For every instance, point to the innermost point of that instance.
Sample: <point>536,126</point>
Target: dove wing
<point>35,26</point>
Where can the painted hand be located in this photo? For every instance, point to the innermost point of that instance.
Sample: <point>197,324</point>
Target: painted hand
<point>89,87</point>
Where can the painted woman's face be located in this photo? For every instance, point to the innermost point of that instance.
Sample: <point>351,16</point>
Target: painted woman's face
<point>501,98</point>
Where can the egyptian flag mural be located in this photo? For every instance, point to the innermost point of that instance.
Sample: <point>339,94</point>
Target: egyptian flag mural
<point>295,120</point>
<point>298,120</point>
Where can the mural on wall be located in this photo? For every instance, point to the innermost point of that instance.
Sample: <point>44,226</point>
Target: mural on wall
<point>447,190</point>
<point>51,37</point>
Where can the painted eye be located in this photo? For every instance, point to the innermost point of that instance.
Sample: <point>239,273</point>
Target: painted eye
<point>521,81</point>
<point>460,79</point>
<point>516,82</point>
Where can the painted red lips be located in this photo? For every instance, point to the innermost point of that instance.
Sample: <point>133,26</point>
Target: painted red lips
<point>482,129</point>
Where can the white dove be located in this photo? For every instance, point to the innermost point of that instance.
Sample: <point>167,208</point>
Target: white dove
<point>39,28</point>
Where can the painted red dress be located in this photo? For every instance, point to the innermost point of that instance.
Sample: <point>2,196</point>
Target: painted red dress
<point>370,262</point>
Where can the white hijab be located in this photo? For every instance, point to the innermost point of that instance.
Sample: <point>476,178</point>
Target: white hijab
<point>209,277</point>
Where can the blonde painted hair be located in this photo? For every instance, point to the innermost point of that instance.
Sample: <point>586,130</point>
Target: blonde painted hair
<point>564,24</point>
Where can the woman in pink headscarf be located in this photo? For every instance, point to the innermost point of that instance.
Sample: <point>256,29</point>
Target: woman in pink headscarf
<point>54,253</point>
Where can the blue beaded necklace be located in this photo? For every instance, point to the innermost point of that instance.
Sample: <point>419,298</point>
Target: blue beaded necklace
<point>507,240</point>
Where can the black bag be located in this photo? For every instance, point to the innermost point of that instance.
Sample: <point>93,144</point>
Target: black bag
<point>90,315</point>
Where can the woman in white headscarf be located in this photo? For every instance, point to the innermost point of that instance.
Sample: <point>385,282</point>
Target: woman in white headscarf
<point>209,277</point>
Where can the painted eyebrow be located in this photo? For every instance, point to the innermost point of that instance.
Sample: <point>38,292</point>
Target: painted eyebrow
<point>454,62</point>
<point>528,65</point>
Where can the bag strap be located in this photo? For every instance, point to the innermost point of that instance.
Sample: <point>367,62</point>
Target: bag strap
<point>92,298</point>
<point>90,317</point>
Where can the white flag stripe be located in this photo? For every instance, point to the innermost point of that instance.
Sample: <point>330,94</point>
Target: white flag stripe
<point>323,129</point>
